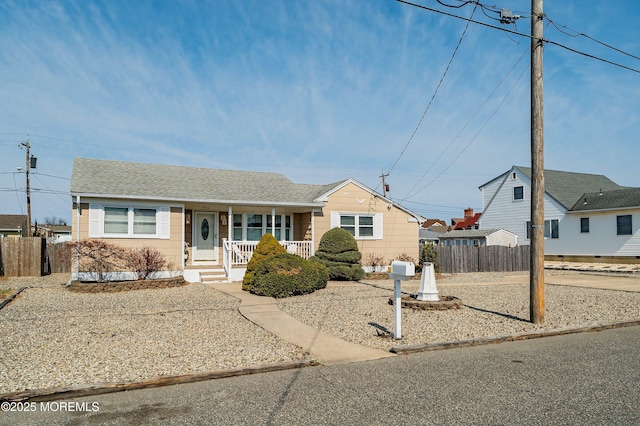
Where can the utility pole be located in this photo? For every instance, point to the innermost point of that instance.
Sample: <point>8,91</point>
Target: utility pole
<point>26,170</point>
<point>385,187</point>
<point>536,273</point>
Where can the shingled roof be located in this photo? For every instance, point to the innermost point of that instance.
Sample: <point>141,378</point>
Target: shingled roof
<point>568,187</point>
<point>617,199</point>
<point>105,178</point>
<point>12,221</point>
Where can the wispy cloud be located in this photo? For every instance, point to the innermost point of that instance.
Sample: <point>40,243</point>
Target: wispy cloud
<point>319,91</point>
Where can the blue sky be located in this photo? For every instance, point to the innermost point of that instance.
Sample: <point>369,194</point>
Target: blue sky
<point>317,90</point>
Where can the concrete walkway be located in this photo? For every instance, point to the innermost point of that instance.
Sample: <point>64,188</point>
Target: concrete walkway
<point>325,348</point>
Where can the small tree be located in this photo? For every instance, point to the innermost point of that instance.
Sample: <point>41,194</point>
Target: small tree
<point>267,246</point>
<point>146,261</point>
<point>338,251</point>
<point>429,254</point>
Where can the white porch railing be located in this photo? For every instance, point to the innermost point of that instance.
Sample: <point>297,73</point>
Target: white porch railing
<point>239,252</point>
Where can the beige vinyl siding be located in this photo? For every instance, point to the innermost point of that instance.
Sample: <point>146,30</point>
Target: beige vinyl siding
<point>399,236</point>
<point>171,248</point>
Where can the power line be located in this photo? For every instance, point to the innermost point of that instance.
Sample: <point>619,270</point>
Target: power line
<point>474,136</point>
<point>579,34</point>
<point>521,34</point>
<point>453,55</point>
<point>477,111</point>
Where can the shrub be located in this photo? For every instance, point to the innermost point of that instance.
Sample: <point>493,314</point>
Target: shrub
<point>267,246</point>
<point>429,254</point>
<point>99,257</point>
<point>146,261</point>
<point>338,251</point>
<point>374,260</point>
<point>286,275</point>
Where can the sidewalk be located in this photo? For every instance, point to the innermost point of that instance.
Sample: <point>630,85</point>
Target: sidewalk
<point>323,347</point>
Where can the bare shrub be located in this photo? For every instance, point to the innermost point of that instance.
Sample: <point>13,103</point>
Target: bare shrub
<point>146,261</point>
<point>374,260</point>
<point>99,257</point>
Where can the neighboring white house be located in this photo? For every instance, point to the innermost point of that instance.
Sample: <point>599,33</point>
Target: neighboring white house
<point>478,238</point>
<point>585,214</point>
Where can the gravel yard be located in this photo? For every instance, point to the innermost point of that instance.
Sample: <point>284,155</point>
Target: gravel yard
<point>54,337</point>
<point>359,313</point>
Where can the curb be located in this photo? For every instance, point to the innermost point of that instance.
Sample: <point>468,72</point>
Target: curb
<point>78,391</point>
<point>10,298</point>
<point>436,346</point>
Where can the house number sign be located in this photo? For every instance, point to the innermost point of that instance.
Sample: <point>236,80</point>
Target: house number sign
<point>204,229</point>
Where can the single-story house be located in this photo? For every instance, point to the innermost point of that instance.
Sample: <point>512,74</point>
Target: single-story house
<point>13,225</point>
<point>587,217</point>
<point>207,222</point>
<point>428,235</point>
<point>478,238</point>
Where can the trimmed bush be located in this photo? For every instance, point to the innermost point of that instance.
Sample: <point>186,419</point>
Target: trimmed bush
<point>338,251</point>
<point>286,275</point>
<point>267,246</point>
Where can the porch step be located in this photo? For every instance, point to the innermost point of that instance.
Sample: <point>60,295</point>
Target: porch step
<point>208,273</point>
<point>209,276</point>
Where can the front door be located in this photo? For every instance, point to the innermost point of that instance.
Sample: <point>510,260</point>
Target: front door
<point>206,237</point>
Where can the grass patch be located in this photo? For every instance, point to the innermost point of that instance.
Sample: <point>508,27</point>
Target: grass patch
<point>4,293</point>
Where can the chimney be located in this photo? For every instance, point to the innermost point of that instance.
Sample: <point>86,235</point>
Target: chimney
<point>468,212</point>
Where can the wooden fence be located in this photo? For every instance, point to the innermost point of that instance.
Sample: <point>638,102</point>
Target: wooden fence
<point>30,257</point>
<point>22,257</point>
<point>460,259</point>
<point>59,257</point>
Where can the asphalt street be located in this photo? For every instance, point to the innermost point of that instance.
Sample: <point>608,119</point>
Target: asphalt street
<point>586,378</point>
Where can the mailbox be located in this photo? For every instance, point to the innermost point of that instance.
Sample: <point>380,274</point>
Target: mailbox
<point>402,270</point>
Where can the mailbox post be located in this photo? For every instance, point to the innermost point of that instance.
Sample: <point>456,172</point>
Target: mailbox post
<point>399,271</point>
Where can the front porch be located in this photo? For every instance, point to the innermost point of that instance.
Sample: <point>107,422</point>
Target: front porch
<point>235,257</point>
<point>219,242</point>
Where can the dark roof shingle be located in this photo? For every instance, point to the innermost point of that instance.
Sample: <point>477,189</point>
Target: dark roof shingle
<point>178,183</point>
<point>568,187</point>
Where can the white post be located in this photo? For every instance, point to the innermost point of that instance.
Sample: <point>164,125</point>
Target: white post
<point>399,271</point>
<point>397,310</point>
<point>428,290</point>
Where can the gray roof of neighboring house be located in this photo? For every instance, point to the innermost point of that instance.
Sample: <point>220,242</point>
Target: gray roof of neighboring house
<point>467,233</point>
<point>12,221</point>
<point>568,187</point>
<point>428,234</point>
<point>605,200</point>
<point>105,178</point>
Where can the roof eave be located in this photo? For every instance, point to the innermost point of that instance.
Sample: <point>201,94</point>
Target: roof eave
<point>609,209</point>
<point>196,200</point>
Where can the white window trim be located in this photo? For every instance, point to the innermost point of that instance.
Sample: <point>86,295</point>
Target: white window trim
<point>96,221</point>
<point>377,223</point>
<point>548,222</point>
<point>513,193</point>
<point>265,228</point>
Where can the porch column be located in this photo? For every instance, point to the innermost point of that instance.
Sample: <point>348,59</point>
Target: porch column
<point>273,221</point>
<point>230,223</point>
<point>313,232</point>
